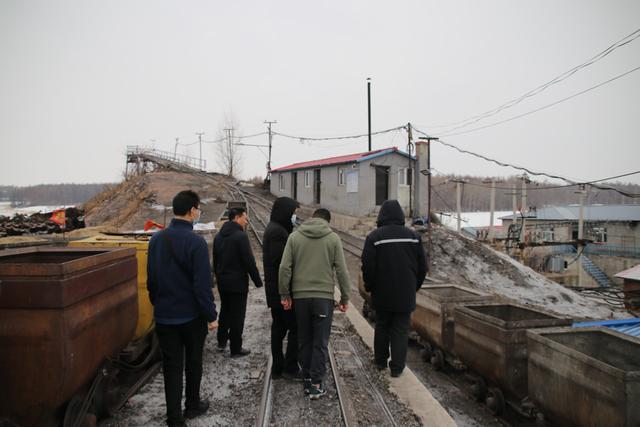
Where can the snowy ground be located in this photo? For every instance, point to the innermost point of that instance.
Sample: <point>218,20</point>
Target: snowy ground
<point>7,210</point>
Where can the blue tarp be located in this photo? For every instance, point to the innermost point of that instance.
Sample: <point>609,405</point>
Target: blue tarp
<point>626,326</point>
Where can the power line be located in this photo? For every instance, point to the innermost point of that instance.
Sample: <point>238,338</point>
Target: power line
<point>540,108</point>
<point>473,119</point>
<point>529,171</point>
<point>334,138</point>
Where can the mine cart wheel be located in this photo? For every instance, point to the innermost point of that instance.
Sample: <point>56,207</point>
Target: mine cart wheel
<point>437,360</point>
<point>541,421</point>
<point>495,400</point>
<point>72,413</point>
<point>365,310</point>
<point>106,394</point>
<point>478,388</point>
<point>426,352</point>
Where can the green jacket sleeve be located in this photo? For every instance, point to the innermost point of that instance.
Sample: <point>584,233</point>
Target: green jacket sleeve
<point>342,272</point>
<point>286,270</point>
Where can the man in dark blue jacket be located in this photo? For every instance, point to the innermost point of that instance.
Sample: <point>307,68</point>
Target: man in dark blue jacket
<point>393,269</point>
<point>233,263</point>
<point>179,284</point>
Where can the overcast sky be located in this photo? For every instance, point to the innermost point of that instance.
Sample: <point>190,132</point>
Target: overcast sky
<point>81,80</point>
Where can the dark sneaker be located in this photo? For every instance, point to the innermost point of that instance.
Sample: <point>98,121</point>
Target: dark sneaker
<point>381,366</point>
<point>221,347</point>
<point>276,375</point>
<point>201,409</point>
<point>306,384</point>
<point>395,374</point>
<point>177,424</point>
<point>241,353</point>
<point>317,391</point>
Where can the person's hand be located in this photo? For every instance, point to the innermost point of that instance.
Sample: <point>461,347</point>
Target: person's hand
<point>286,303</point>
<point>343,307</point>
<point>213,325</point>
<point>258,285</point>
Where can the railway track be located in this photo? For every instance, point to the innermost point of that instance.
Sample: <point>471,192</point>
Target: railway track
<point>336,405</point>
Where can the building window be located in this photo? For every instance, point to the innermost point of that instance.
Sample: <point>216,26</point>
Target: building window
<point>405,176</point>
<point>281,181</point>
<point>548,235</point>
<point>307,179</point>
<point>341,178</point>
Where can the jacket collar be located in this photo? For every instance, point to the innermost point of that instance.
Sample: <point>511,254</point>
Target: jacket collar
<point>181,223</point>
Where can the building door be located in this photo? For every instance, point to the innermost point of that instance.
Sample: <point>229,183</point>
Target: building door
<point>294,185</point>
<point>316,186</point>
<point>382,184</point>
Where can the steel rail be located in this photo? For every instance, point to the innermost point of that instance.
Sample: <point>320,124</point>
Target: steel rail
<point>339,391</point>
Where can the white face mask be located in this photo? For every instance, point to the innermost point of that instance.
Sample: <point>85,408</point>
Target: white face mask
<point>293,219</point>
<point>196,219</point>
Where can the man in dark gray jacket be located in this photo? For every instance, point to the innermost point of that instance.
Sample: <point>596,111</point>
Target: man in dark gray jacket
<point>393,269</point>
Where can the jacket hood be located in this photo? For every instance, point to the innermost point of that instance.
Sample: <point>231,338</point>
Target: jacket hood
<point>230,227</point>
<point>282,210</point>
<point>314,228</point>
<point>390,213</point>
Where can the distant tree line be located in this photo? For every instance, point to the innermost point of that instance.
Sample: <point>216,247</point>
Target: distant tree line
<point>50,194</point>
<point>476,193</point>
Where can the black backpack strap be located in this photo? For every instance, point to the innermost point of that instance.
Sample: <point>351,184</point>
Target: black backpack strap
<point>181,266</point>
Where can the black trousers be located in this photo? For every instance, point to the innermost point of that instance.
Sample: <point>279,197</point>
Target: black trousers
<point>283,322</point>
<point>233,308</point>
<point>392,329</point>
<point>314,316</point>
<point>181,347</point>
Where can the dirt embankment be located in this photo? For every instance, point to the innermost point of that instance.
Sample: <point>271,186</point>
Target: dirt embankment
<point>129,204</point>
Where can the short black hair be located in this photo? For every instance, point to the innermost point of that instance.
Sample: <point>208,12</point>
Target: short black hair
<point>234,212</point>
<point>184,201</point>
<point>322,213</point>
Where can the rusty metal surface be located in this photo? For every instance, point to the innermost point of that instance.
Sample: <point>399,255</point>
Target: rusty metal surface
<point>585,377</point>
<point>50,350</point>
<point>433,317</point>
<point>491,339</point>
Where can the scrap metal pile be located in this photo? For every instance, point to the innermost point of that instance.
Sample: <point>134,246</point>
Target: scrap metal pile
<point>42,223</point>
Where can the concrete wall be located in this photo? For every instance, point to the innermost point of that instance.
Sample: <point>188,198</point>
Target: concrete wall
<point>335,197</point>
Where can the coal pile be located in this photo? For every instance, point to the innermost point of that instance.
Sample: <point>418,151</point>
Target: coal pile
<point>40,223</point>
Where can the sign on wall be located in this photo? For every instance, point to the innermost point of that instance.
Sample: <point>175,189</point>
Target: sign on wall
<point>352,181</point>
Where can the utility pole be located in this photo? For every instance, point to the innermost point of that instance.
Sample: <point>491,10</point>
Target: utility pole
<point>175,150</point>
<point>459,184</point>
<point>369,108</point>
<point>409,176</point>
<point>523,202</point>
<point>492,203</point>
<point>200,141</point>
<point>580,247</point>
<point>269,123</point>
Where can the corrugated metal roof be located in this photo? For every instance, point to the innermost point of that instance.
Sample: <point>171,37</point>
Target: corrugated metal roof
<point>633,273</point>
<point>349,158</point>
<point>591,213</point>
<point>626,326</point>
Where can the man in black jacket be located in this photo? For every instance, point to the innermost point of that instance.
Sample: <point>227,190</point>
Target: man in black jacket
<point>233,262</point>
<point>393,269</point>
<point>283,321</point>
<point>179,284</point>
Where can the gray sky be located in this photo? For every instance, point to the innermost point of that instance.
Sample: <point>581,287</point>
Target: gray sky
<point>81,80</point>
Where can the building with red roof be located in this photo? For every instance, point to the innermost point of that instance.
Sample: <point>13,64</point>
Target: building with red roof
<point>352,184</point>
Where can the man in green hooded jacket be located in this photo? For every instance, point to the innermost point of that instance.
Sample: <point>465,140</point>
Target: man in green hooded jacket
<point>311,257</point>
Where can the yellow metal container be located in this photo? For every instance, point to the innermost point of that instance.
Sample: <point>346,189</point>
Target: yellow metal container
<point>141,244</point>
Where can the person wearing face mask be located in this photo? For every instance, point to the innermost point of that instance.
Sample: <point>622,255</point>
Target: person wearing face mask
<point>233,264</point>
<point>180,289</point>
<point>275,237</point>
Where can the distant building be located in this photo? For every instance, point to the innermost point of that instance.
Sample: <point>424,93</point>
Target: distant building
<point>631,287</point>
<point>614,225</point>
<point>352,184</point>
